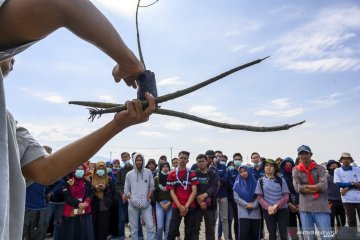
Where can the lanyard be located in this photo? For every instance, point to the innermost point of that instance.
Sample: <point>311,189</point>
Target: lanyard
<point>186,180</point>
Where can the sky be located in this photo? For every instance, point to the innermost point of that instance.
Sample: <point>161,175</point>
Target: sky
<point>313,74</point>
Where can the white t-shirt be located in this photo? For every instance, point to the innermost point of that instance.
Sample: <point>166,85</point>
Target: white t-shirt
<point>17,148</point>
<point>353,195</point>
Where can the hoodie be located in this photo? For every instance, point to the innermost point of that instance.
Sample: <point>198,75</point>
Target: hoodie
<point>139,182</point>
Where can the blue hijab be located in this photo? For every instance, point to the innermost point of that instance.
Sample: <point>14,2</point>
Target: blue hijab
<point>245,188</point>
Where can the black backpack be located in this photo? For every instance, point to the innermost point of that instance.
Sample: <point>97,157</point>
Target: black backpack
<point>277,180</point>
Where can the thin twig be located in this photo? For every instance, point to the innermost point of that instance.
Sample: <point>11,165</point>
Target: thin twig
<point>149,4</point>
<point>138,34</point>
<point>167,112</point>
<point>171,96</point>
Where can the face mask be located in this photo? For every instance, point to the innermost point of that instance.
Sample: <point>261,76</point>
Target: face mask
<point>164,173</point>
<point>257,164</point>
<point>100,172</point>
<point>126,163</point>
<point>79,173</point>
<point>223,163</point>
<point>217,160</point>
<point>116,168</point>
<point>288,169</point>
<point>108,170</point>
<point>231,168</point>
<point>238,163</point>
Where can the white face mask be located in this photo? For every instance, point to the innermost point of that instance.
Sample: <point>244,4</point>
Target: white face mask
<point>238,163</point>
<point>223,163</point>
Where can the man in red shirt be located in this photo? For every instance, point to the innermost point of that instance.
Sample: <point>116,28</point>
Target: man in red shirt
<point>182,186</point>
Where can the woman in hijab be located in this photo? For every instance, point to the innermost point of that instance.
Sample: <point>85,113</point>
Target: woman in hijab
<point>248,206</point>
<point>163,202</point>
<point>102,201</point>
<point>76,221</point>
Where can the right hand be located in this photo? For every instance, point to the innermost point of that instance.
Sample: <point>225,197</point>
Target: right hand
<point>83,205</point>
<point>183,211</point>
<point>293,208</point>
<point>128,73</point>
<point>124,198</point>
<point>343,191</point>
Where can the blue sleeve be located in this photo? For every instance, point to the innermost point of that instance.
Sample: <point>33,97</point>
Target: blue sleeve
<point>344,185</point>
<point>58,187</point>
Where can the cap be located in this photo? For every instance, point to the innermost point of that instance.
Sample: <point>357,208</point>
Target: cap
<point>331,162</point>
<point>346,155</point>
<point>210,153</point>
<point>303,148</point>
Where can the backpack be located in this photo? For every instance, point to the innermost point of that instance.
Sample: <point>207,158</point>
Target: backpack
<point>277,180</point>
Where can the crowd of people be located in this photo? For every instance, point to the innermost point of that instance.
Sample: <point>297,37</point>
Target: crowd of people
<point>98,200</point>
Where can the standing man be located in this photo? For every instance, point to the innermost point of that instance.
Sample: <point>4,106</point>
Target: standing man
<point>122,198</point>
<point>174,163</point>
<point>257,170</point>
<point>334,196</point>
<point>310,182</point>
<point>139,187</point>
<point>182,183</point>
<point>206,197</point>
<point>222,196</point>
<point>348,179</point>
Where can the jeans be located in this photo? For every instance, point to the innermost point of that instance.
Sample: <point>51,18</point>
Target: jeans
<point>232,214</point>
<point>322,221</point>
<point>163,221</point>
<point>146,215</point>
<point>278,220</point>
<point>223,216</point>
<point>123,215</point>
<point>57,210</point>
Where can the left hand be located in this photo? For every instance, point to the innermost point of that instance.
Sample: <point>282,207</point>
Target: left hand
<point>134,113</point>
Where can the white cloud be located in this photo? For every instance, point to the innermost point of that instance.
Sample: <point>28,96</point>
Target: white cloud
<point>175,125</point>
<point>238,47</point>
<point>245,25</point>
<point>46,96</point>
<point>151,134</point>
<point>256,49</point>
<point>281,107</point>
<point>328,43</point>
<point>108,98</point>
<point>327,101</point>
<point>171,81</point>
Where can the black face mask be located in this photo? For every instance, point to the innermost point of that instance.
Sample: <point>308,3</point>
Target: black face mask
<point>331,171</point>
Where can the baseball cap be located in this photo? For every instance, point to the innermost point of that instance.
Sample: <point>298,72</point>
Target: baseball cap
<point>303,148</point>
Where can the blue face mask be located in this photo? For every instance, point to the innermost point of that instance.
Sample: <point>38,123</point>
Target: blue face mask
<point>223,163</point>
<point>231,168</point>
<point>79,173</point>
<point>164,173</point>
<point>257,164</point>
<point>238,163</point>
<point>108,170</point>
<point>100,172</point>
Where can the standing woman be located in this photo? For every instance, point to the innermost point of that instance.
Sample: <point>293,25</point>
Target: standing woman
<point>104,189</point>
<point>76,221</point>
<point>163,202</point>
<point>273,195</point>
<point>249,215</point>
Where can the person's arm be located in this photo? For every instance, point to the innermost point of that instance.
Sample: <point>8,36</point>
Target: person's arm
<point>283,200</point>
<point>322,185</point>
<point>297,182</point>
<point>47,169</point>
<point>175,199</point>
<point>239,200</point>
<point>263,202</point>
<point>192,196</point>
<point>26,21</point>
<point>127,188</point>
